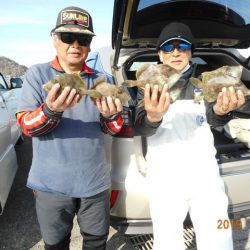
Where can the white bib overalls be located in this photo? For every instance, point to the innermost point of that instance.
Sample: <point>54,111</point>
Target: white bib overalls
<point>183,176</point>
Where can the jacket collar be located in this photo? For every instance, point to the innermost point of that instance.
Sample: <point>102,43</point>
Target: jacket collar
<point>56,65</point>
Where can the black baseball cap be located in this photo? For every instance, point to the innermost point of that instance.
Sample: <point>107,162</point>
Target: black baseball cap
<point>175,31</point>
<point>75,20</point>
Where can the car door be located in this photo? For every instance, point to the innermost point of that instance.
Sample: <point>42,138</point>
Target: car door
<point>11,95</point>
<point>5,132</point>
<point>8,160</point>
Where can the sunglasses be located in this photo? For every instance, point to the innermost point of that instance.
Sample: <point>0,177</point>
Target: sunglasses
<point>70,38</point>
<point>171,47</point>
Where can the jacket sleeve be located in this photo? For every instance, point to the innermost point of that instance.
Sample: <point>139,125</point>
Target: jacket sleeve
<point>142,125</point>
<point>216,120</point>
<point>38,122</point>
<point>111,125</point>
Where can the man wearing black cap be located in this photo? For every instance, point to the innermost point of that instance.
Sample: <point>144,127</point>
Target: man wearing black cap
<point>69,173</point>
<point>183,174</point>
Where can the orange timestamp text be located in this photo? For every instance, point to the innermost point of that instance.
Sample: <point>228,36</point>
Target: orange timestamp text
<point>225,224</point>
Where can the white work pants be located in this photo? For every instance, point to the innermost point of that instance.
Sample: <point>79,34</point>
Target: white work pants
<point>183,176</point>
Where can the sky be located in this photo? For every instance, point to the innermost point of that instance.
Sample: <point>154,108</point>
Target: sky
<point>25,27</point>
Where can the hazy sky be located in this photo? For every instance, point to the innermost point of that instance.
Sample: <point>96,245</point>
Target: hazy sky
<point>25,27</point>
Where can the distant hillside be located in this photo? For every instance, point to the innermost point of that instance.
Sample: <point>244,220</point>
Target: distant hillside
<point>10,67</point>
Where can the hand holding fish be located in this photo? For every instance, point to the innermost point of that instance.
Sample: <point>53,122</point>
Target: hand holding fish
<point>156,106</point>
<point>228,100</point>
<point>71,88</point>
<point>160,75</point>
<point>108,107</point>
<point>59,102</point>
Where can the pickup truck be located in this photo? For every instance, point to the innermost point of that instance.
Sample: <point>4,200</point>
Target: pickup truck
<point>10,134</point>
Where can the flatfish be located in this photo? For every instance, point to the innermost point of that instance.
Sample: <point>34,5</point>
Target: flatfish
<point>158,74</point>
<point>73,80</point>
<point>101,88</point>
<point>212,82</point>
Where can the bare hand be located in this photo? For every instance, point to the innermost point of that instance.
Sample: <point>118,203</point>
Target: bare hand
<point>156,106</point>
<point>228,100</point>
<point>58,103</point>
<point>107,107</point>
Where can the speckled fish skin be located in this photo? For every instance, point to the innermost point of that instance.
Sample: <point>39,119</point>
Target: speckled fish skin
<point>158,74</point>
<point>102,88</point>
<point>73,80</point>
<point>212,82</point>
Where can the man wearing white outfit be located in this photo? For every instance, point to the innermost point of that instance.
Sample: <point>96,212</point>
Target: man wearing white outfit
<point>183,175</point>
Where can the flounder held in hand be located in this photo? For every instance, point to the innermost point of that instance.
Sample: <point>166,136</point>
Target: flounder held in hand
<point>102,88</point>
<point>73,80</point>
<point>212,82</point>
<point>158,74</point>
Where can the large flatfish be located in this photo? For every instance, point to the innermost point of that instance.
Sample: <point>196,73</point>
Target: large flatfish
<point>212,82</point>
<point>73,80</point>
<point>101,88</point>
<point>158,74</point>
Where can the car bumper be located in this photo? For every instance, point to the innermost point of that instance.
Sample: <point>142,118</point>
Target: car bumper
<point>133,226</point>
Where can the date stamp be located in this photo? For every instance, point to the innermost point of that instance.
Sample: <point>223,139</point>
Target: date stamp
<point>225,224</point>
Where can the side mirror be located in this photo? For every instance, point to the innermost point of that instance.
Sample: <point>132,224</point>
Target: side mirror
<point>16,82</point>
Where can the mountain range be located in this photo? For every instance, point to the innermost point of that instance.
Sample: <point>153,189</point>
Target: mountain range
<point>11,68</point>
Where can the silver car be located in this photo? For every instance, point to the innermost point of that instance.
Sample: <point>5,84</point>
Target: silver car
<point>221,29</point>
<point>9,135</point>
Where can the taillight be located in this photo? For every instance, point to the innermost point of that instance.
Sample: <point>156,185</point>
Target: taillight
<point>113,197</point>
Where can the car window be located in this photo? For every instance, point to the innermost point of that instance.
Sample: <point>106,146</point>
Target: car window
<point>136,65</point>
<point>240,7</point>
<point>16,82</point>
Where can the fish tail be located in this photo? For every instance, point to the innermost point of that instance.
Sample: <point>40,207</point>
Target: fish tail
<point>80,78</point>
<point>84,91</point>
<point>129,83</point>
<point>173,79</point>
<point>196,82</point>
<point>99,80</point>
<point>140,103</point>
<point>93,93</point>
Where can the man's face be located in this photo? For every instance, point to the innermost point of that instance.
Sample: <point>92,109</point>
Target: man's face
<point>72,49</point>
<point>175,54</point>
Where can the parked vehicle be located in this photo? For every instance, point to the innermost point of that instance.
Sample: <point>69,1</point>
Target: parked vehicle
<point>221,30</point>
<point>9,136</point>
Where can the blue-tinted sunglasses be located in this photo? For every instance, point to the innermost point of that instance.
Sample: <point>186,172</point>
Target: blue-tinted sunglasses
<point>171,47</point>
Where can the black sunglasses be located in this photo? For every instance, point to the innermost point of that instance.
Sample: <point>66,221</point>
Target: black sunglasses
<point>69,38</point>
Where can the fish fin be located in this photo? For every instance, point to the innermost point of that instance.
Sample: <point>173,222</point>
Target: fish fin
<point>196,82</point>
<point>121,90</point>
<point>142,69</point>
<point>99,80</point>
<point>198,98</point>
<point>77,73</point>
<point>47,86</point>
